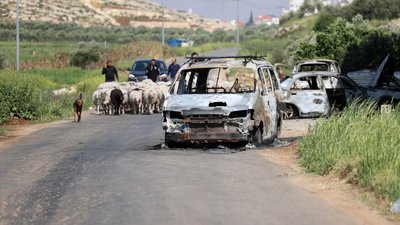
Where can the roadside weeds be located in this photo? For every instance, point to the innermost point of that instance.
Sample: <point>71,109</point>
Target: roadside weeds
<point>360,204</point>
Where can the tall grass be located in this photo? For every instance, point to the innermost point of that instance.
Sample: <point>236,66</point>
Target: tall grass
<point>28,94</point>
<point>360,145</point>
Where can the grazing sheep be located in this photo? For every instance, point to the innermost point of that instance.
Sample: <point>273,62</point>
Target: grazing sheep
<point>78,104</point>
<point>150,98</point>
<point>105,100</point>
<point>117,98</point>
<point>97,101</point>
<point>135,101</point>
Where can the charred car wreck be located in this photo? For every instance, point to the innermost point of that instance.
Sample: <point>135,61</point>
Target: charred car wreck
<point>312,94</point>
<point>223,100</point>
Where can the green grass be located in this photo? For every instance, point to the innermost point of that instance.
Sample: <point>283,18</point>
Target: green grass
<point>28,94</point>
<point>43,50</point>
<point>360,145</point>
<point>204,48</point>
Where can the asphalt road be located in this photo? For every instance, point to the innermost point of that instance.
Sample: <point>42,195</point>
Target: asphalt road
<point>112,170</point>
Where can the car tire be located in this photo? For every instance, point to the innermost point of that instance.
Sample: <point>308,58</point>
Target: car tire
<point>291,112</point>
<point>256,137</point>
<point>169,143</point>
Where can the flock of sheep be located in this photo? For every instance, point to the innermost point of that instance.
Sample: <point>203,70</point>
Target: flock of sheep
<point>145,97</point>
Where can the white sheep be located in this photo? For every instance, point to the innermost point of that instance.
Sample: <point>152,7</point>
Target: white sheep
<point>150,99</point>
<point>135,101</point>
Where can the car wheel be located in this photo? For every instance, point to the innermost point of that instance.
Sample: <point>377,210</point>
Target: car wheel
<point>291,112</point>
<point>256,137</point>
<point>169,143</point>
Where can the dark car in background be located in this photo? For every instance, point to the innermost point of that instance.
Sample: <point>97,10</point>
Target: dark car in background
<point>138,69</point>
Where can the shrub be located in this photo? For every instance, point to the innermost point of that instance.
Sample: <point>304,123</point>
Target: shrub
<point>2,60</point>
<point>82,58</point>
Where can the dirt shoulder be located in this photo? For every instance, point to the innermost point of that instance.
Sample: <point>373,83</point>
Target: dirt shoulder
<point>340,194</point>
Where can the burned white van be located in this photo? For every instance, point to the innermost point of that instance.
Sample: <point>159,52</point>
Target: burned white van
<point>227,100</point>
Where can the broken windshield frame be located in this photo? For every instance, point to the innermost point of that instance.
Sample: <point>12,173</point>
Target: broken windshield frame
<point>215,80</point>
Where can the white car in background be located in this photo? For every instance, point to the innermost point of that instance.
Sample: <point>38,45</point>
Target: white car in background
<point>312,94</point>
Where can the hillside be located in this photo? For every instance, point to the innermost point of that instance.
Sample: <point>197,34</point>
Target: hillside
<point>105,12</point>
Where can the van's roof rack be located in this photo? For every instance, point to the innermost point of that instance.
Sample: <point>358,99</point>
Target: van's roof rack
<point>245,57</point>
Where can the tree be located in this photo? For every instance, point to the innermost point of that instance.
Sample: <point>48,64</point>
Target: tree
<point>251,20</point>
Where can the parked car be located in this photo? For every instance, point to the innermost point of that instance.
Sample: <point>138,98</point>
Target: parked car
<point>312,94</point>
<point>315,65</point>
<point>223,100</point>
<point>138,69</point>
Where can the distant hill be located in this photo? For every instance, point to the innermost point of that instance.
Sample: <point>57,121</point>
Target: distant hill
<point>104,13</point>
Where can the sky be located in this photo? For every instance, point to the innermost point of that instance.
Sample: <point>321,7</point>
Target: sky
<point>226,9</point>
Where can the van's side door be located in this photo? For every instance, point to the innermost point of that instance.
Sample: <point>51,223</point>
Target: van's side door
<point>270,102</point>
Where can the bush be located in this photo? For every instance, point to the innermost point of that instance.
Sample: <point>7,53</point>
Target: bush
<point>18,97</point>
<point>82,58</point>
<point>2,60</point>
<point>360,145</point>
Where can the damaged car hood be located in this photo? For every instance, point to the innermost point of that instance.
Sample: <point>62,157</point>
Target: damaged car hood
<point>384,73</point>
<point>216,103</point>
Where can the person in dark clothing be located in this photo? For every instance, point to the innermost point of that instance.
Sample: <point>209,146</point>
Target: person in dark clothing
<point>173,69</point>
<point>152,71</point>
<point>110,72</point>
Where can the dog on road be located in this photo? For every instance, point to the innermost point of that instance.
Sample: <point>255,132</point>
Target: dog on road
<point>78,104</point>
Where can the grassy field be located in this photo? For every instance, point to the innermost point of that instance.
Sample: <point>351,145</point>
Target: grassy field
<point>34,50</point>
<point>359,145</point>
<point>187,51</point>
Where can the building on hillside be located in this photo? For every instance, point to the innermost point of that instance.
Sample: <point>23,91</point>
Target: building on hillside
<point>267,20</point>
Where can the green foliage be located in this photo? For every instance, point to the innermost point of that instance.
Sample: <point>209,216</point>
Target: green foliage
<point>86,54</point>
<point>82,58</point>
<point>372,9</point>
<point>273,48</point>
<point>325,18</point>
<point>351,44</point>
<point>28,94</point>
<point>2,60</point>
<point>360,145</point>
<point>186,51</point>
<point>16,94</point>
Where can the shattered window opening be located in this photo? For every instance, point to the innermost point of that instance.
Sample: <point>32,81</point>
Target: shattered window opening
<point>307,83</point>
<point>216,80</point>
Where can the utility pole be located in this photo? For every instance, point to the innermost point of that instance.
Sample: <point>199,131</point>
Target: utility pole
<point>237,22</point>
<point>17,37</point>
<point>162,29</point>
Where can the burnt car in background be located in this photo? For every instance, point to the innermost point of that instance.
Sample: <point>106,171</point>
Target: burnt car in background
<point>227,100</point>
<point>312,94</point>
<point>320,65</point>
<point>384,87</point>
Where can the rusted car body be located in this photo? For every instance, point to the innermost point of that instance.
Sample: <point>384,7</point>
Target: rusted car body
<point>223,100</point>
<point>312,94</point>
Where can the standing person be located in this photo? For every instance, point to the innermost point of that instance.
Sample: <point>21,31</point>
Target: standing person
<point>110,72</point>
<point>173,69</point>
<point>194,56</point>
<point>152,71</point>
